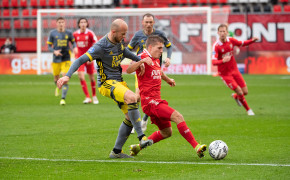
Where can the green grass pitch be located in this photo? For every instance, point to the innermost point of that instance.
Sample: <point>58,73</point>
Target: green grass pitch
<point>39,139</point>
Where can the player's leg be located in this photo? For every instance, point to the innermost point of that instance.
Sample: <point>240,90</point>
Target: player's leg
<point>56,72</point>
<point>64,69</point>
<point>90,71</point>
<point>243,90</point>
<point>81,74</point>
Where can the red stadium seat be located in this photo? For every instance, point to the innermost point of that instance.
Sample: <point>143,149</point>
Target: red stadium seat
<point>6,12</point>
<point>182,1</point>
<point>213,1</point>
<point>45,23</point>
<point>0,24</point>
<point>61,3</point>
<point>51,3</point>
<point>193,1</point>
<point>203,1</point>
<point>284,1</point>
<point>70,2</point>
<point>14,3</point>
<point>34,24</point>
<point>277,8</point>
<point>26,24</point>
<point>173,2</point>
<point>34,12</point>
<point>135,2</point>
<point>42,3</point>
<point>33,3</point>
<point>23,3</point>
<point>25,12</point>
<point>216,8</point>
<point>287,8</point>
<point>6,24</point>
<point>226,8</point>
<point>15,12</point>
<point>5,3</point>
<point>223,1</point>
<point>125,2</point>
<point>17,24</point>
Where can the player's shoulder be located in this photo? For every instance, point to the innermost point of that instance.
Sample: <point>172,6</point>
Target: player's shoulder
<point>52,32</point>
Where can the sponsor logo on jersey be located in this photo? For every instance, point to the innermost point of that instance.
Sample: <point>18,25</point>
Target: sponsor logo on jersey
<point>156,74</point>
<point>91,50</point>
<point>66,37</point>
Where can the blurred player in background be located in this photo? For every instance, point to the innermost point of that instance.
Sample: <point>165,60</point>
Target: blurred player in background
<point>223,50</point>
<point>85,38</point>
<point>58,43</point>
<point>109,52</point>
<point>160,113</point>
<point>139,40</point>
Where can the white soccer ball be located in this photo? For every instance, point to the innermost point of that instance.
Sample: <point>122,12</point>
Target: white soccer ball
<point>218,149</point>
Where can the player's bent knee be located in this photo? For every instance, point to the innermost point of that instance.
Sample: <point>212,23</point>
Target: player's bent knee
<point>177,117</point>
<point>130,97</point>
<point>166,133</point>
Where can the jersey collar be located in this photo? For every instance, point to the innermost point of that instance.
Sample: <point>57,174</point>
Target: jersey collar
<point>221,43</point>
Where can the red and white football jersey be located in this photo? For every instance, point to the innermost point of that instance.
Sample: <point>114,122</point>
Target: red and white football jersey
<point>150,82</point>
<point>222,49</point>
<point>84,41</point>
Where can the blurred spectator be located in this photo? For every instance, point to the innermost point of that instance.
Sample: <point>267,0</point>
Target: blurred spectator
<point>8,47</point>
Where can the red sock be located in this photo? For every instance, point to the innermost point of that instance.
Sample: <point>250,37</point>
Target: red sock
<point>85,88</point>
<point>235,96</point>
<point>242,99</point>
<point>156,136</point>
<point>186,133</point>
<point>93,84</point>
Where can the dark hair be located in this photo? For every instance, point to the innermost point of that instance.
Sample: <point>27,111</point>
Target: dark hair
<point>153,40</point>
<point>80,21</point>
<point>222,25</point>
<point>148,15</point>
<point>59,18</point>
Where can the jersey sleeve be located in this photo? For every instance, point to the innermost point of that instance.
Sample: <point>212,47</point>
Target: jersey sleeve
<point>130,55</point>
<point>133,42</point>
<point>95,52</point>
<point>215,55</point>
<point>93,37</point>
<point>167,43</point>
<point>241,43</point>
<point>50,38</point>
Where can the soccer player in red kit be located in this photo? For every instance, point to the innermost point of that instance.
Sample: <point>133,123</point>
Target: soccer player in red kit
<point>227,66</point>
<point>85,38</point>
<point>150,85</point>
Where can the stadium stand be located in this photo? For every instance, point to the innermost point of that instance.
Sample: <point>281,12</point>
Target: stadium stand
<point>21,14</point>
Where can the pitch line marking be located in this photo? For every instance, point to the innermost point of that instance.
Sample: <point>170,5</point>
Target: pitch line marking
<point>145,162</point>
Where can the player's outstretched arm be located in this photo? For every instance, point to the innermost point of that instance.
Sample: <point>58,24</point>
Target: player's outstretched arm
<point>136,65</point>
<point>169,81</point>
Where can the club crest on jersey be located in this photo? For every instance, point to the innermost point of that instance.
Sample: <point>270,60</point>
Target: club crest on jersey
<point>78,38</point>
<point>91,50</point>
<point>111,53</point>
<point>66,36</point>
<point>87,37</point>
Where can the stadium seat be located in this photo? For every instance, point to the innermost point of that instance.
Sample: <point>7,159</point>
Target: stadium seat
<point>257,8</point>
<point>283,1</point>
<point>51,3</point>
<point>267,8</point>
<point>192,1</point>
<point>277,8</point>
<point>61,3</point>
<point>264,1</point>
<point>223,1</point>
<point>203,1</point>
<point>233,1</point>
<point>88,2</point>
<point>0,24</point>
<point>236,9</point>
<point>253,1</point>
<point>135,2</point>
<point>17,24</point>
<point>79,2</point>
<point>243,1</point>
<point>108,2</point>
<point>125,3</point>
<point>287,8</point>
<point>6,13</point>
<point>33,3</point>
<point>213,1</point>
<point>5,3</point>
<point>69,2</point>
<point>34,12</point>
<point>23,3</point>
<point>42,3</point>
<point>26,24</point>
<point>14,3</point>
<point>34,24</point>
<point>25,12</point>
<point>6,24</point>
<point>226,8</point>
<point>182,2</point>
<point>15,12</point>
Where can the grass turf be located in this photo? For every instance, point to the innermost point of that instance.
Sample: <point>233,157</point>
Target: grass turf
<point>34,125</point>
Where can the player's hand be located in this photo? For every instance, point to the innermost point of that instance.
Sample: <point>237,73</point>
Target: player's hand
<point>171,82</point>
<point>57,52</point>
<point>147,60</point>
<point>63,80</point>
<point>255,39</point>
<point>167,62</point>
<point>142,69</point>
<point>226,59</point>
<point>76,51</point>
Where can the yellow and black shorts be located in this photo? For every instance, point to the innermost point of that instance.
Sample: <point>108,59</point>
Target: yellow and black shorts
<point>115,90</point>
<point>61,67</point>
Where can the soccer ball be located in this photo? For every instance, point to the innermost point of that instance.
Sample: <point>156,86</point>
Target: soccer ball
<point>218,149</point>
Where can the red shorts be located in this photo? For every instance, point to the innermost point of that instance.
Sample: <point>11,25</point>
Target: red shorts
<point>234,80</point>
<point>159,112</point>
<point>89,66</point>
